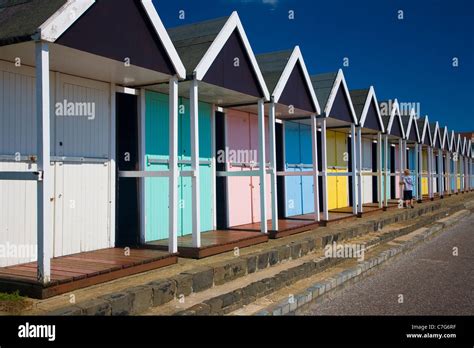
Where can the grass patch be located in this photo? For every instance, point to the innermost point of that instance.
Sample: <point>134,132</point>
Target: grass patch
<point>13,303</point>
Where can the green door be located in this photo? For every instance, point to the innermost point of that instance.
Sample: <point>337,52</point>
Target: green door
<point>157,153</point>
<point>156,157</point>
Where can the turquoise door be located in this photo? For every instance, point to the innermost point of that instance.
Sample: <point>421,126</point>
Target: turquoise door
<point>157,155</point>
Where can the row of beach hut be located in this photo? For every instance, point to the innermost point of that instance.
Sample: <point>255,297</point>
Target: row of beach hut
<point>116,132</point>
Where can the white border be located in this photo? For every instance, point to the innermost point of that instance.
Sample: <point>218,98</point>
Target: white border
<point>371,96</point>
<point>395,110</point>
<point>232,23</point>
<point>295,57</point>
<point>332,96</point>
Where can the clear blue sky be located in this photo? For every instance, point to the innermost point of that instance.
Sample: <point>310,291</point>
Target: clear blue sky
<point>409,59</point>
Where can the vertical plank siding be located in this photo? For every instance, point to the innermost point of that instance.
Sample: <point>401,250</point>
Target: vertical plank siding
<point>81,201</point>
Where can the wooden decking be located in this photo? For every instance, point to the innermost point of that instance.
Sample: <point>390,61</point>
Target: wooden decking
<point>212,243</point>
<point>81,270</point>
<point>338,215</point>
<point>286,227</point>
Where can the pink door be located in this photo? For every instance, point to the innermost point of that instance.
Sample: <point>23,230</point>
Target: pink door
<point>242,146</point>
<point>256,180</point>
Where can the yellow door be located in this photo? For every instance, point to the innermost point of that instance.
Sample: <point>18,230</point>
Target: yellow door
<point>332,190</point>
<point>424,186</point>
<point>342,190</point>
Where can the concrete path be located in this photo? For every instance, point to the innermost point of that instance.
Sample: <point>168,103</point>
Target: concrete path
<point>429,280</point>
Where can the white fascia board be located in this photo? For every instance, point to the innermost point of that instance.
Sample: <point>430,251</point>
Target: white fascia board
<point>399,116</point>
<point>295,57</point>
<point>451,142</point>
<point>371,96</point>
<point>232,23</point>
<point>340,80</point>
<point>164,37</point>
<point>63,18</point>
<point>428,130</point>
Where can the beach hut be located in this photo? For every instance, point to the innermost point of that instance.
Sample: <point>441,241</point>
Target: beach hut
<point>70,73</point>
<point>443,158</point>
<point>370,128</point>
<point>293,146</point>
<point>412,141</point>
<point>222,149</point>
<point>426,169</point>
<point>393,156</point>
<point>457,158</point>
<point>436,159</point>
<point>338,147</point>
<point>451,158</point>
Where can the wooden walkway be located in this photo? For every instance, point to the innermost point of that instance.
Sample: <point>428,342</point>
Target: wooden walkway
<point>212,243</point>
<point>81,270</point>
<point>286,227</point>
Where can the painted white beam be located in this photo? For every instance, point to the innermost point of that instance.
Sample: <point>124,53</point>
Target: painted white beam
<point>379,169</point>
<point>314,142</point>
<point>273,166</point>
<point>44,186</point>
<point>420,171</point>
<point>440,173</point>
<point>113,163</point>
<point>196,198</point>
<point>430,172</point>
<point>173,165</point>
<point>385,171</point>
<point>401,168</point>
<point>355,154</point>
<point>142,164</point>
<point>417,171</point>
<point>324,169</point>
<point>358,170</point>
<point>262,163</point>
<point>447,161</point>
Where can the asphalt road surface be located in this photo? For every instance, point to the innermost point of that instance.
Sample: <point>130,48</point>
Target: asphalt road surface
<point>429,278</point>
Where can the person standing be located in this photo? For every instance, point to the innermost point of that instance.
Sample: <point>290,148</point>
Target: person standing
<point>407,183</point>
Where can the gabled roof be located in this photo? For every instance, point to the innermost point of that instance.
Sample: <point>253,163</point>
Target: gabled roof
<point>278,67</point>
<point>451,142</point>
<point>458,143</point>
<point>363,100</point>
<point>464,145</point>
<point>395,116</point>
<point>436,136</point>
<point>423,126</point>
<point>410,125</point>
<point>444,137</point>
<point>327,87</point>
<point>20,19</point>
<point>199,44</point>
<point>469,148</point>
<point>27,20</point>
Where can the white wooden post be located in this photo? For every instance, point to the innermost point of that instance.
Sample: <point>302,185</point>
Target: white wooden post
<point>420,171</point>
<point>455,171</point>
<point>430,170</point>
<point>44,185</point>
<point>448,172</point>
<point>440,173</point>
<point>196,199</point>
<point>262,166</point>
<point>273,166</point>
<point>417,172</point>
<point>401,168</point>
<point>385,188</point>
<point>463,187</point>
<point>358,170</point>
<point>314,141</point>
<point>379,168</point>
<point>142,164</point>
<point>324,170</point>
<point>355,162</point>
<point>173,166</point>
<point>113,163</point>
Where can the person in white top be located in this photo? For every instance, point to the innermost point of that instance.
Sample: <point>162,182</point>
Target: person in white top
<point>407,182</point>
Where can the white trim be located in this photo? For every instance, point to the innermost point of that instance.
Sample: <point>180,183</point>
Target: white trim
<point>444,139</point>
<point>332,96</point>
<point>173,166</point>
<point>164,37</point>
<point>411,122</point>
<point>262,166</point>
<point>295,57</point>
<point>213,167</point>
<point>324,169</point>
<point>205,63</point>
<point>423,134</point>
<point>195,183</point>
<point>142,163</point>
<point>113,165</point>
<point>44,186</point>
<point>314,152</point>
<point>63,18</point>
<point>395,111</point>
<point>273,167</point>
<point>371,96</point>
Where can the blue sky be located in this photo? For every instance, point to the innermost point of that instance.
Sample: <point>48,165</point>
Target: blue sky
<point>409,59</point>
